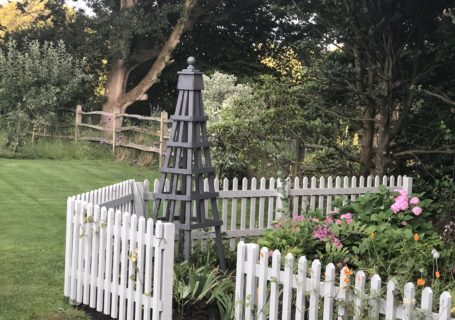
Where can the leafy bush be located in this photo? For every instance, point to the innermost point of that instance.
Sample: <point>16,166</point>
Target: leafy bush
<point>389,233</point>
<point>36,83</point>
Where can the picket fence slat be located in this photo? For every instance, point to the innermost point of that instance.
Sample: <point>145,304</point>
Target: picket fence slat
<point>102,268</point>
<point>105,246</point>
<point>270,215</point>
<point>275,285</point>
<point>257,283</point>
<point>262,284</point>
<point>261,204</point>
<point>301,289</point>
<point>329,292</point>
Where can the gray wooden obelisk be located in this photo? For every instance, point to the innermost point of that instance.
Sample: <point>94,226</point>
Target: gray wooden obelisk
<point>186,165</point>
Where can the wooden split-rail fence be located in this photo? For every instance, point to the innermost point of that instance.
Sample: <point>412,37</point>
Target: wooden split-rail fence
<point>280,291</point>
<point>115,132</point>
<point>250,206</point>
<point>117,263</point>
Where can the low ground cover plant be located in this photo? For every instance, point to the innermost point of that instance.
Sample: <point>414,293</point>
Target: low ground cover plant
<point>389,233</point>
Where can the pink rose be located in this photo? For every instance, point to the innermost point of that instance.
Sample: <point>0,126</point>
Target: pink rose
<point>338,221</point>
<point>298,218</point>
<point>403,223</point>
<point>414,201</point>
<point>417,211</point>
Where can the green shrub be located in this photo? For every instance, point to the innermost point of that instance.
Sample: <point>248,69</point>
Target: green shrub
<point>37,82</point>
<point>380,233</point>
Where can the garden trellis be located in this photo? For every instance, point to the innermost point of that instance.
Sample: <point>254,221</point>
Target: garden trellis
<point>187,174</point>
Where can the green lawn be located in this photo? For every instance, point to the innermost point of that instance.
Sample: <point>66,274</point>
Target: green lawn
<point>33,197</point>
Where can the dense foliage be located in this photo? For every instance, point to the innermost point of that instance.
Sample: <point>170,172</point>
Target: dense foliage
<point>389,233</point>
<point>37,84</point>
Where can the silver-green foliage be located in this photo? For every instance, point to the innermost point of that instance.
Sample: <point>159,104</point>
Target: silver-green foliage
<point>221,93</point>
<point>36,82</point>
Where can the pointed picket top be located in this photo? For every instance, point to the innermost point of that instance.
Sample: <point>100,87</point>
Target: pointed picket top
<point>409,300</point>
<point>359,287</point>
<point>361,181</point>
<point>329,290</point>
<point>445,305</point>
<point>301,288</point>
<point>354,182</point>
<point>275,286</point>
<point>346,182</point>
<point>426,303</point>
<point>287,286</point>
<point>262,284</point>
<point>375,292</point>
<point>390,308</point>
<point>245,183</point>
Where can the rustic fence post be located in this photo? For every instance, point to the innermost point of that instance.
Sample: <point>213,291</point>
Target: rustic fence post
<point>163,127</point>
<point>33,134</point>
<point>78,122</point>
<point>114,115</point>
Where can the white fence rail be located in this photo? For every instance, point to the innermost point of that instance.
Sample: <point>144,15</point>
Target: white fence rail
<point>250,206</point>
<point>119,264</point>
<point>272,292</point>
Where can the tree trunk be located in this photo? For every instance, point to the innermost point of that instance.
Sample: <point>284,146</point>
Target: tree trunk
<point>114,90</point>
<point>299,154</point>
<point>117,98</point>
<point>367,142</point>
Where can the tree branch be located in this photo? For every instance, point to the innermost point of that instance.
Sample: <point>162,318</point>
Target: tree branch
<point>419,151</point>
<point>441,97</point>
<point>162,60</point>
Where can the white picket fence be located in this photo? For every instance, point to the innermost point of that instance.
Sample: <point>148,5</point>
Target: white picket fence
<point>269,292</point>
<point>119,264</point>
<point>249,208</point>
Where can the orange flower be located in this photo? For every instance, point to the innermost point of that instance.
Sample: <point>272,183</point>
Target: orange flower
<point>437,274</point>
<point>346,271</point>
<point>416,237</point>
<point>421,282</point>
<point>346,280</point>
<point>372,236</point>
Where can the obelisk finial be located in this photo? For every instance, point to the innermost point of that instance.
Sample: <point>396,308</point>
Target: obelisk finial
<point>191,61</point>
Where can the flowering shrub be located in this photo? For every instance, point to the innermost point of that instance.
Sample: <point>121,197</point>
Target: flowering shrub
<point>388,233</point>
<point>396,207</point>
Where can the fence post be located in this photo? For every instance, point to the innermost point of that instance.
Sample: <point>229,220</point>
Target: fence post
<point>163,127</point>
<point>113,132</point>
<point>279,199</point>
<point>407,184</point>
<point>78,122</point>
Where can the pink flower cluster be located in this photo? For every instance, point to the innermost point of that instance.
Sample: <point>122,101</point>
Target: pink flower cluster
<point>302,218</point>
<point>324,234</point>
<point>402,202</point>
